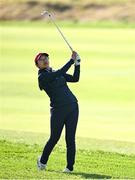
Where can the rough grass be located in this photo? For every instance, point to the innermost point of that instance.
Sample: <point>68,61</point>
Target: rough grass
<point>78,1</point>
<point>18,160</point>
<point>70,24</point>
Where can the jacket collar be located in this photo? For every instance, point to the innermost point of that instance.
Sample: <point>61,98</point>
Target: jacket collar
<point>46,70</point>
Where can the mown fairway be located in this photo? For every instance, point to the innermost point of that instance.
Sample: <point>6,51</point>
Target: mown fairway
<point>105,92</point>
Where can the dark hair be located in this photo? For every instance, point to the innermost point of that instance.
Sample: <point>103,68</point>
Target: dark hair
<point>36,63</point>
<point>45,54</point>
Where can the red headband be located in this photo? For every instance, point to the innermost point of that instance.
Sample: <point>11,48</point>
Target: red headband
<point>38,56</point>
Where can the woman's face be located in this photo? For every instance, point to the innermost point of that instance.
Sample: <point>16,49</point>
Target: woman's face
<point>43,62</point>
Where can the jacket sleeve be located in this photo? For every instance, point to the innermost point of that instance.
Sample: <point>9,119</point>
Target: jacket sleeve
<point>46,77</point>
<point>75,77</point>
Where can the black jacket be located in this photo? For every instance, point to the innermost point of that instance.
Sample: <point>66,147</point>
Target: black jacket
<point>54,83</point>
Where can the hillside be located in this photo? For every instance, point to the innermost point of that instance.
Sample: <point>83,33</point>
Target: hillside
<point>78,10</point>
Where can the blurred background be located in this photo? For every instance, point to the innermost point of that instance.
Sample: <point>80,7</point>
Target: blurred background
<point>103,33</point>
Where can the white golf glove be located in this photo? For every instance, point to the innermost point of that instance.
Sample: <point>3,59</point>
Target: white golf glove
<point>77,60</point>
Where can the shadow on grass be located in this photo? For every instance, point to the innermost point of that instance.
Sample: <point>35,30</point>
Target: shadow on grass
<point>93,176</point>
<point>86,175</point>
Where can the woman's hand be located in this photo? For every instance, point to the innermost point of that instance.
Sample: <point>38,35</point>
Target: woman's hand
<point>74,55</point>
<point>76,58</point>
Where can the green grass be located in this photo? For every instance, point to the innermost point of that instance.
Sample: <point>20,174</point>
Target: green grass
<point>71,24</point>
<point>95,159</point>
<point>19,161</point>
<point>83,143</point>
<point>105,93</point>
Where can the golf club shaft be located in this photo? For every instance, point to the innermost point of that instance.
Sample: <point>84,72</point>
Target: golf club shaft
<point>61,33</point>
<point>51,18</point>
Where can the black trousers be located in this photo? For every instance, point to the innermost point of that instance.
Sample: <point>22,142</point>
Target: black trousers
<point>66,115</point>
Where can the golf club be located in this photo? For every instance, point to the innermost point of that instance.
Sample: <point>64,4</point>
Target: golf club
<point>46,13</point>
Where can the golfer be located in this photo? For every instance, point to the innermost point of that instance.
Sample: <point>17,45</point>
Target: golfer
<point>64,107</point>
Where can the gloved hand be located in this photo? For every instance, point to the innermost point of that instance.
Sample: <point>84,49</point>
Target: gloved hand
<point>77,60</point>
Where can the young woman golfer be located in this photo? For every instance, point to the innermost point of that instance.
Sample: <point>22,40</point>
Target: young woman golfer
<point>64,106</point>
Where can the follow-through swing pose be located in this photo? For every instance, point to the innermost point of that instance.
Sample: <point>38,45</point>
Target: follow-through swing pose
<point>64,106</point>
